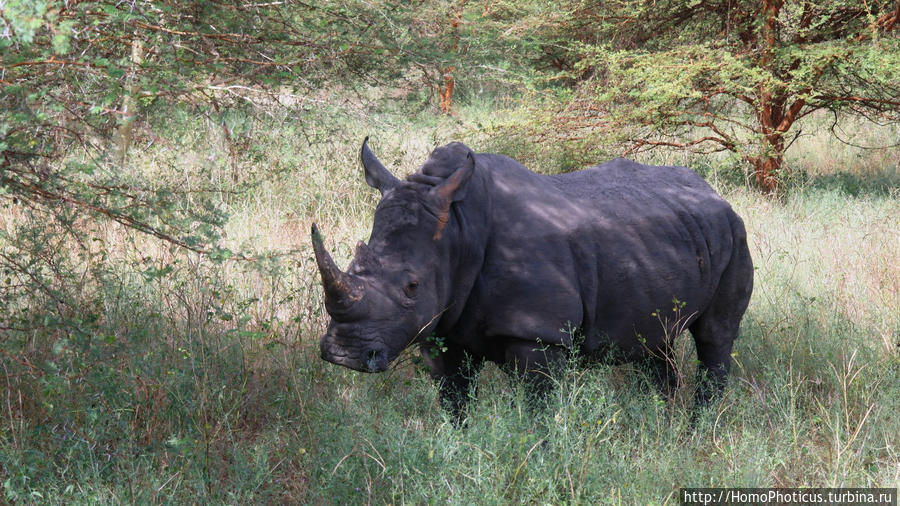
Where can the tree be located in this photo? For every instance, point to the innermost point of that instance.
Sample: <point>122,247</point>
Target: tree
<point>445,42</point>
<point>81,81</point>
<point>726,75</point>
<point>75,71</point>
<point>75,78</point>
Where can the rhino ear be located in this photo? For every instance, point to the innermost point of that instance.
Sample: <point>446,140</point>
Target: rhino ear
<point>450,191</point>
<point>377,176</point>
<point>454,187</point>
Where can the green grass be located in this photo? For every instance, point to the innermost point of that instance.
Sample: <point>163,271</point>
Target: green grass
<point>200,382</point>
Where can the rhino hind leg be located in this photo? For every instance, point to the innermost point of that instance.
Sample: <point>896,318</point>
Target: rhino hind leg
<point>714,346</point>
<point>716,329</point>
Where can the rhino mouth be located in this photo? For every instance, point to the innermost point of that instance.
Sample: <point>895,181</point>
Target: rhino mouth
<point>371,361</point>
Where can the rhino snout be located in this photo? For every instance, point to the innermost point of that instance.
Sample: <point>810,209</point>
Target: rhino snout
<point>376,360</point>
<point>371,358</point>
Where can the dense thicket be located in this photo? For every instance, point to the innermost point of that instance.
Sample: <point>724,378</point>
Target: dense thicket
<point>705,75</point>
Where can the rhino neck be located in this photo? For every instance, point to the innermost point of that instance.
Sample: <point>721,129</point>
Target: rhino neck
<point>467,235</point>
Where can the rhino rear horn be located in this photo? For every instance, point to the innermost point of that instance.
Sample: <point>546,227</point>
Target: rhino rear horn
<point>377,176</point>
<point>341,290</point>
<point>365,258</point>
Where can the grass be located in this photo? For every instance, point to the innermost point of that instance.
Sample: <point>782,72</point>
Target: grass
<point>198,381</point>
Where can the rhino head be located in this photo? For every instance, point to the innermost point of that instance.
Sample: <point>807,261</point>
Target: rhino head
<point>397,286</point>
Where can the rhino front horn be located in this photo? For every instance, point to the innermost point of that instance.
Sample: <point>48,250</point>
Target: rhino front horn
<point>341,290</point>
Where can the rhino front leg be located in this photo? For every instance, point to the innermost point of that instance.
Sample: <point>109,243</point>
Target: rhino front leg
<point>454,370</point>
<point>535,364</point>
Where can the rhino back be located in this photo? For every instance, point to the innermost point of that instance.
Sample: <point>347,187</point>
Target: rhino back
<point>602,249</point>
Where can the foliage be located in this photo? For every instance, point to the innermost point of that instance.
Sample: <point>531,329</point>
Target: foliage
<point>192,380</point>
<point>83,55</point>
<point>724,76</point>
<point>437,44</point>
<point>77,80</point>
<point>160,306</point>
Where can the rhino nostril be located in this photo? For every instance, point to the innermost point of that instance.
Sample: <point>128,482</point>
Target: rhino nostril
<point>372,359</point>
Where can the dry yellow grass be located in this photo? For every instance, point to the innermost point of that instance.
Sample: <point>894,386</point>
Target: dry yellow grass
<point>212,386</point>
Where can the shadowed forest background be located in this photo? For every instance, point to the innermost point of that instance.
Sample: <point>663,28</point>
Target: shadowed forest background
<point>160,307</point>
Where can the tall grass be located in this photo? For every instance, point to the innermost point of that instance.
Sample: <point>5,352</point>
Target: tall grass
<point>201,381</point>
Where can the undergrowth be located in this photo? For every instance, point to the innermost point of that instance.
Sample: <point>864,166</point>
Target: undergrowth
<point>143,374</point>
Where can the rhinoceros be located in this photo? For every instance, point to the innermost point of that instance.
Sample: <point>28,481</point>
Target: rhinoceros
<point>474,257</point>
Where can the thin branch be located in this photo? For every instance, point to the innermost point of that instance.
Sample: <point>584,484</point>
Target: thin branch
<point>867,101</point>
<point>834,129</point>
<point>49,61</point>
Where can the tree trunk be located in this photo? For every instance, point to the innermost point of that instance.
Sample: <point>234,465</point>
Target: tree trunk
<point>446,82</point>
<point>767,167</point>
<point>129,106</point>
<point>445,90</point>
<point>770,110</point>
<point>774,119</point>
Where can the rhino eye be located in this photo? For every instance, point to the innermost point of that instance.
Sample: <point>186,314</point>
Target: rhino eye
<point>410,288</point>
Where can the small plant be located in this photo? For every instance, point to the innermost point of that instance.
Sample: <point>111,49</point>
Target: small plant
<point>437,345</point>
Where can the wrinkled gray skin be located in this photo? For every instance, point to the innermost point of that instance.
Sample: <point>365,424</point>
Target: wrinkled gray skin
<point>523,259</point>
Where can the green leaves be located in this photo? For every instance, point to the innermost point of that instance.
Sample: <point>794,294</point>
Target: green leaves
<point>709,76</point>
<point>62,37</point>
<point>25,18</point>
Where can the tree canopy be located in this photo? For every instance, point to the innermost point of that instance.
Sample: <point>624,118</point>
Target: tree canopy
<point>711,75</point>
<point>725,75</point>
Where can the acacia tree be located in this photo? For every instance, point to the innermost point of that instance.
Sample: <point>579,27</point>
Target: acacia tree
<point>448,42</point>
<point>73,73</point>
<point>727,75</point>
<point>78,79</point>
<point>75,81</point>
